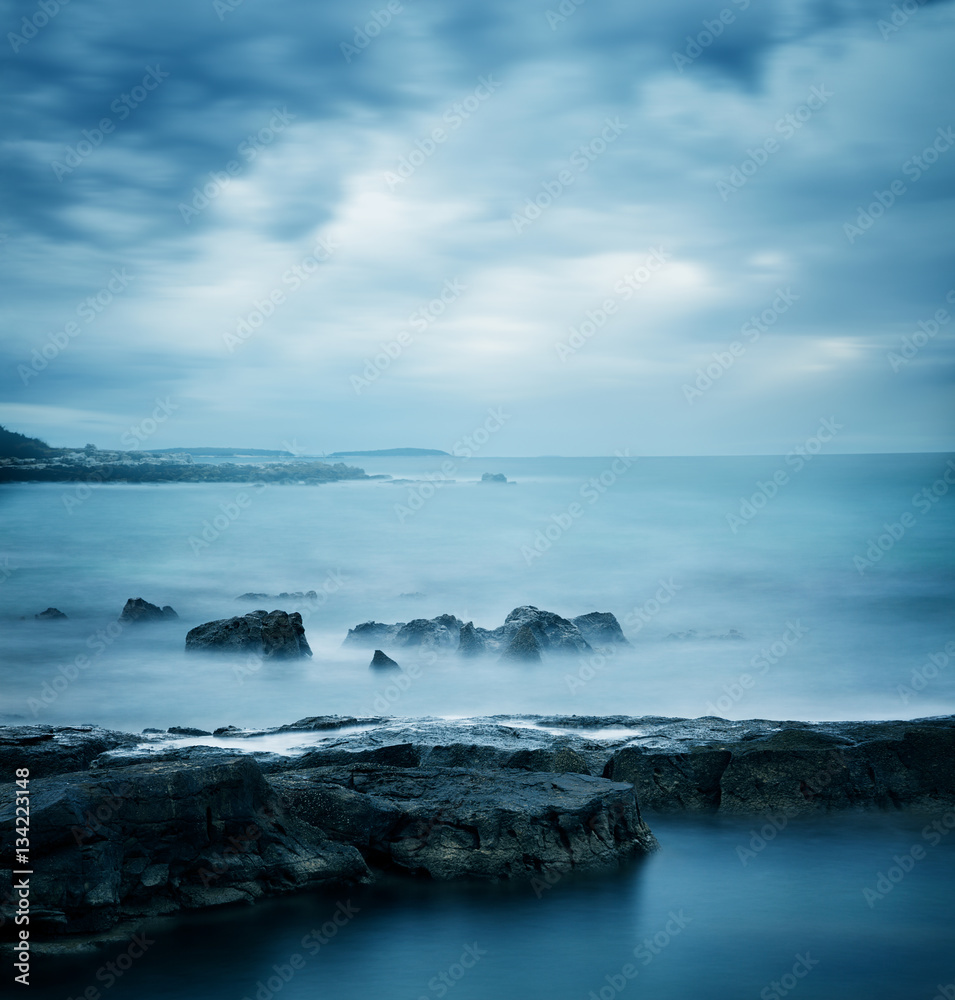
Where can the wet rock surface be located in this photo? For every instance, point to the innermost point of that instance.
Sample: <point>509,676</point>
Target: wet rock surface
<point>272,635</point>
<point>549,632</point>
<point>137,610</point>
<point>127,826</point>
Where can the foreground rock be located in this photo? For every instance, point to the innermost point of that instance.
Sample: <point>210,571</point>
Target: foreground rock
<point>276,635</point>
<point>158,837</point>
<point>549,634</point>
<point>138,610</point>
<point>460,823</point>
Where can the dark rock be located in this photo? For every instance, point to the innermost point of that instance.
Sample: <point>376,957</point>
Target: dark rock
<point>278,635</point>
<point>298,595</point>
<point>554,634</point>
<point>226,730</point>
<point>48,750</point>
<point>470,643</point>
<point>187,731</point>
<point>601,628</point>
<point>493,477</point>
<point>435,633</point>
<point>370,634</point>
<point>51,614</point>
<point>149,730</point>
<point>461,823</point>
<point>380,659</point>
<point>166,836</point>
<point>138,610</point>
<point>523,646</point>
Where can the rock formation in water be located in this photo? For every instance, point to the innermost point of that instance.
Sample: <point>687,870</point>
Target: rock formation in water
<point>276,635</point>
<point>137,610</point>
<point>124,828</point>
<point>381,659</point>
<point>523,647</point>
<point>493,477</point>
<point>51,614</point>
<point>551,634</point>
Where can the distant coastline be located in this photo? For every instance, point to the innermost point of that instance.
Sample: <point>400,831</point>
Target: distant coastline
<point>392,453</point>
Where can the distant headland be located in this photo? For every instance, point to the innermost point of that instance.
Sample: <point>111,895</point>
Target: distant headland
<point>391,453</point>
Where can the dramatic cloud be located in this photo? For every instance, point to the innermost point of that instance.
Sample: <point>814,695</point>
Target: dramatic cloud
<point>691,229</point>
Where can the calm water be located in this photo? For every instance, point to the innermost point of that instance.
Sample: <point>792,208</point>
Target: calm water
<point>651,543</point>
<point>654,546</point>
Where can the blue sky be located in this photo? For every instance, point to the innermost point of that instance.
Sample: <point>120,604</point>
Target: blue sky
<point>691,228</point>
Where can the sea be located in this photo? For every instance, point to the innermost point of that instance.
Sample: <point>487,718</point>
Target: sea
<point>799,587</point>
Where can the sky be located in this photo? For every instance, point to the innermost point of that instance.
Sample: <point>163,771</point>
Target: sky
<point>693,228</point>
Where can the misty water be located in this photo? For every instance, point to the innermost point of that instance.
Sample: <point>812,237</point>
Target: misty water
<point>824,636</point>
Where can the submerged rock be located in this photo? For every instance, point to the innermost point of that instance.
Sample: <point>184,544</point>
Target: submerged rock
<point>138,610</point>
<point>297,595</point>
<point>187,731</point>
<point>275,635</point>
<point>369,634</point>
<point>51,614</point>
<point>493,477</point>
<point>430,633</point>
<point>381,659</point>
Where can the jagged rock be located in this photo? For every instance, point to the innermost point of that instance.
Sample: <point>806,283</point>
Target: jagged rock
<point>187,731</point>
<point>381,659</point>
<point>138,610</point>
<point>462,823</point>
<point>370,634</point>
<point>51,614</point>
<point>470,643</point>
<point>440,632</point>
<point>553,633</point>
<point>47,750</point>
<point>160,836</point>
<point>226,730</point>
<point>601,628</point>
<point>275,635</point>
<point>523,646</point>
<point>493,477</point>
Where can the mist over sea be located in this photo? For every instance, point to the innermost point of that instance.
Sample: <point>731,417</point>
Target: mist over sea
<point>668,545</point>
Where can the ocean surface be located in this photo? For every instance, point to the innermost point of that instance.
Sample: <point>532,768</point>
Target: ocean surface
<point>841,584</point>
<point>837,575</point>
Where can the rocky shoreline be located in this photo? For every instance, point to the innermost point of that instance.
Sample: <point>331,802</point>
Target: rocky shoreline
<point>127,826</point>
